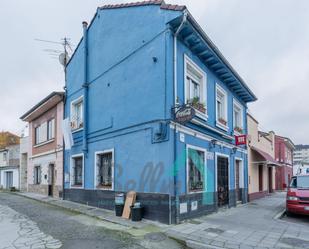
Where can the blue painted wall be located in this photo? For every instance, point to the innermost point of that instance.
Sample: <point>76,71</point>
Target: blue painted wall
<point>131,95</point>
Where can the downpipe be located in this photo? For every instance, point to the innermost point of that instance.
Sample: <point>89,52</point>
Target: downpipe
<point>176,192</point>
<point>85,88</point>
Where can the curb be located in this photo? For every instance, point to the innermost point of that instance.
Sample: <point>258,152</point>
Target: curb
<point>279,215</point>
<point>197,245</point>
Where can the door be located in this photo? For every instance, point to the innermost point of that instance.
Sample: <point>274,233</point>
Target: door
<point>237,180</point>
<point>223,181</point>
<point>51,180</point>
<point>270,179</point>
<point>261,177</point>
<point>9,179</point>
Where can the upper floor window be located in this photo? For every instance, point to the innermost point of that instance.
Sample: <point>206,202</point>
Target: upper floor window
<point>45,132</point>
<point>221,107</point>
<point>237,117</point>
<point>5,156</point>
<point>77,114</point>
<point>51,129</point>
<point>195,86</point>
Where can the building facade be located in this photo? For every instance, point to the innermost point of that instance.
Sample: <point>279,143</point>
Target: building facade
<point>24,158</point>
<point>301,159</point>
<point>9,167</point>
<point>45,146</point>
<point>262,163</point>
<point>137,72</point>
<point>284,149</point>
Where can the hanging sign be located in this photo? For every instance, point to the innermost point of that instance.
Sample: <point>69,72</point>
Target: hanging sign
<point>184,114</point>
<point>241,140</point>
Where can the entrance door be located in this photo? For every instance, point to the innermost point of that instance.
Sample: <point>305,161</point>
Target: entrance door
<point>261,177</point>
<point>223,181</point>
<point>237,180</point>
<point>51,177</point>
<point>9,179</point>
<point>270,179</point>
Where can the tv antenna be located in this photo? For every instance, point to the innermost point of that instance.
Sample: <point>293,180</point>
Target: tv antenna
<point>62,55</point>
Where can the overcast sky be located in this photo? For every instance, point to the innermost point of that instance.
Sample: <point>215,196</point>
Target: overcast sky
<point>266,41</point>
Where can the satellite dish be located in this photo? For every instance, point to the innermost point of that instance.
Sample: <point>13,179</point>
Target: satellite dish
<point>64,58</point>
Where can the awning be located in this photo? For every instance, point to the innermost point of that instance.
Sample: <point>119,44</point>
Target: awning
<point>268,159</point>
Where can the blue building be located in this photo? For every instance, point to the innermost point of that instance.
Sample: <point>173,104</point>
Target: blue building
<point>135,67</point>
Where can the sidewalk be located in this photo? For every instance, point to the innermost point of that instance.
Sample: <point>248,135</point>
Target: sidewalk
<point>255,225</point>
<point>102,214</point>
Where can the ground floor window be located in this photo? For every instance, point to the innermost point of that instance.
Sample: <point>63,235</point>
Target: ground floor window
<point>196,169</point>
<point>77,171</point>
<point>104,169</point>
<point>37,175</point>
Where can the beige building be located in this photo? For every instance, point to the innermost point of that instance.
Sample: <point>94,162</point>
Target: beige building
<point>261,162</point>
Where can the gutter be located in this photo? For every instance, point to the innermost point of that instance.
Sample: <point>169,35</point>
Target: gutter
<point>184,20</point>
<point>85,88</point>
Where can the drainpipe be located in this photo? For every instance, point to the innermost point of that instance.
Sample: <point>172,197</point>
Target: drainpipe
<point>175,104</point>
<point>85,87</point>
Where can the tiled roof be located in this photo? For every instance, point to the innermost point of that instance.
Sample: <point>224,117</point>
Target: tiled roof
<point>162,4</point>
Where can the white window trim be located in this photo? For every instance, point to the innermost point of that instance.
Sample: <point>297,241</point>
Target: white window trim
<point>188,146</point>
<point>217,154</point>
<point>218,124</point>
<point>238,105</point>
<point>71,169</point>
<point>241,173</point>
<point>188,60</point>
<point>73,102</point>
<point>113,169</point>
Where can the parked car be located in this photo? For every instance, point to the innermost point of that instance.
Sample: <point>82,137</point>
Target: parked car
<point>297,201</point>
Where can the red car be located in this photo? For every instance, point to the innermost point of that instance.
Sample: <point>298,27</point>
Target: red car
<point>297,200</point>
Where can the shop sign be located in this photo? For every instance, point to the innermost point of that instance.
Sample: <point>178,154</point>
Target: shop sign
<point>241,140</point>
<point>184,114</point>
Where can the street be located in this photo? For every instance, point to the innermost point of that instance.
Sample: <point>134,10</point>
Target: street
<point>255,225</point>
<point>26,223</point>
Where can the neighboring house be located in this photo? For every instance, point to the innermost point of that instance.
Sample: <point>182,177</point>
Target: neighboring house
<point>24,159</point>
<point>7,139</point>
<point>284,149</point>
<point>122,91</point>
<point>9,165</point>
<point>300,158</point>
<point>45,142</point>
<point>262,163</point>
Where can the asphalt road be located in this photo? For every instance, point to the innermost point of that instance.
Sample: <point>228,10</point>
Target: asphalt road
<point>295,218</point>
<point>73,230</point>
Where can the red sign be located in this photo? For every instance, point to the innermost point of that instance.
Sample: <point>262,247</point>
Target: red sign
<point>241,140</point>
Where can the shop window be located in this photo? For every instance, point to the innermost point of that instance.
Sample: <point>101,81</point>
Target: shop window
<point>196,169</point>
<point>104,169</point>
<point>77,171</point>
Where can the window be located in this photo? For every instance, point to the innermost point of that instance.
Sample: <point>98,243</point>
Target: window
<point>221,107</point>
<point>196,159</point>
<point>237,117</point>
<point>195,86</point>
<point>77,171</point>
<point>104,169</point>
<point>77,114</point>
<point>45,132</point>
<point>5,156</point>
<point>51,129</point>
<point>37,175</point>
